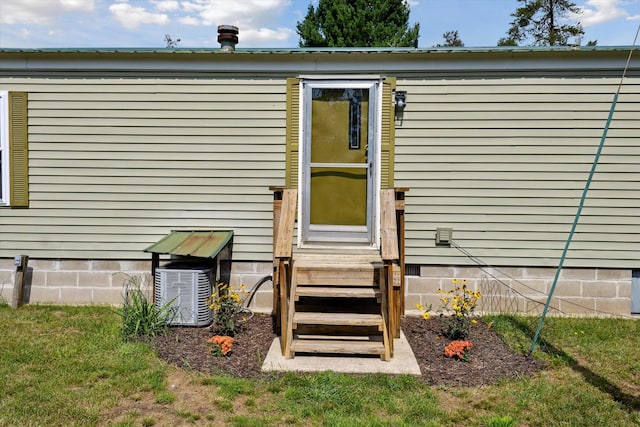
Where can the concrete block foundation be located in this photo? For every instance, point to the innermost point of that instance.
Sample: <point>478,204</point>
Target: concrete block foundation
<point>580,291</point>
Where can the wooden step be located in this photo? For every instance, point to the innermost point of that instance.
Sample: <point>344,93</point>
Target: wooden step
<point>337,305</point>
<point>338,292</point>
<point>337,319</point>
<point>321,276</point>
<point>337,346</point>
<point>338,270</point>
<point>338,264</point>
<point>367,259</point>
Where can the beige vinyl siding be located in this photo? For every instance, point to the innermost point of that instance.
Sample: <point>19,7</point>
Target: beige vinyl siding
<point>117,163</point>
<point>503,161</point>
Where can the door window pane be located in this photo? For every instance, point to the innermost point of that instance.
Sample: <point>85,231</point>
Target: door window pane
<point>339,196</point>
<point>339,129</point>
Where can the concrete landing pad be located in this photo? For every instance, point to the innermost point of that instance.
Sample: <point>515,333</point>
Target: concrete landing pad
<point>402,362</point>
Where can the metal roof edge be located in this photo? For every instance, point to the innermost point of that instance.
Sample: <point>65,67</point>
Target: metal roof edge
<point>372,50</point>
<point>310,61</point>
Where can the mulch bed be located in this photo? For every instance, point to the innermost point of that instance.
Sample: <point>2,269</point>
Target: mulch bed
<point>490,360</point>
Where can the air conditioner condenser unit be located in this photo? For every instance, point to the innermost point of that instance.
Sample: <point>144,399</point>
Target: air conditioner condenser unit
<point>189,290</point>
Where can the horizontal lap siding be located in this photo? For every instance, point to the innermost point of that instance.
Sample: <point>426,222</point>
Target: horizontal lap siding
<point>117,163</point>
<point>504,162</point>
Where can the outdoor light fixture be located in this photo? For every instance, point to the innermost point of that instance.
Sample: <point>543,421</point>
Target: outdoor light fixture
<point>400,101</point>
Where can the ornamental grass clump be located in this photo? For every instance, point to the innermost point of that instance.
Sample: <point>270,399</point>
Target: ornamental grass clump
<point>228,310</point>
<point>141,317</point>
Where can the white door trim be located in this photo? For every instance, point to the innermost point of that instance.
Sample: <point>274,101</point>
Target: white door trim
<point>344,236</point>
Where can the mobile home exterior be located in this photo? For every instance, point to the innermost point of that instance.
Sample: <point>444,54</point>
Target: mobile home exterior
<point>104,152</point>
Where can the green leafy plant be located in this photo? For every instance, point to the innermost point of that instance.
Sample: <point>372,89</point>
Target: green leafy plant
<point>228,310</point>
<point>460,303</point>
<point>140,316</point>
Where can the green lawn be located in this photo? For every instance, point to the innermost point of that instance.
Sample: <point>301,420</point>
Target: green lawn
<point>62,366</point>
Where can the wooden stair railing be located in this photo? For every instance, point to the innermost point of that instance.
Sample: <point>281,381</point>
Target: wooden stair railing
<point>285,201</point>
<point>393,252</point>
<point>391,258</point>
<point>400,222</point>
<point>310,289</point>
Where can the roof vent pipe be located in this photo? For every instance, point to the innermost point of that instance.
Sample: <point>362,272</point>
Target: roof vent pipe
<point>227,37</point>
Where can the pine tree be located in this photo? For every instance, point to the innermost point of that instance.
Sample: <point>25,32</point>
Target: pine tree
<point>358,23</point>
<point>540,22</point>
<point>451,39</point>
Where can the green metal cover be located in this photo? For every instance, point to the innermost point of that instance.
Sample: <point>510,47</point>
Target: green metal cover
<point>201,244</point>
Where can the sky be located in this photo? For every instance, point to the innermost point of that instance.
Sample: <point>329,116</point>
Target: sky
<point>267,23</point>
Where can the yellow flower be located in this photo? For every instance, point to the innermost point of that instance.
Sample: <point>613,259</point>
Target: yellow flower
<point>426,315</point>
<point>474,321</point>
<point>444,300</point>
<point>420,307</point>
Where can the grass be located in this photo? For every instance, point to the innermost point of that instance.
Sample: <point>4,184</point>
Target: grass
<point>63,365</point>
<point>69,366</point>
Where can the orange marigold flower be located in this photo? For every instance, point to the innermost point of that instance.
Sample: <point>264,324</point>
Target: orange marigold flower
<point>224,343</point>
<point>457,348</point>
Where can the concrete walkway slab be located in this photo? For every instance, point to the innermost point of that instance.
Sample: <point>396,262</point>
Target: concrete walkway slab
<point>402,362</point>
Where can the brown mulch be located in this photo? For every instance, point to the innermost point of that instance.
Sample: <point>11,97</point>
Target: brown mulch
<point>490,359</point>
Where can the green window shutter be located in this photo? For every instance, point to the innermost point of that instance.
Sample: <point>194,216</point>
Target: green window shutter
<point>293,130</point>
<point>18,150</point>
<point>388,133</point>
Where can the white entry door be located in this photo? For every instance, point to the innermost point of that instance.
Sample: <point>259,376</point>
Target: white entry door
<point>339,173</point>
